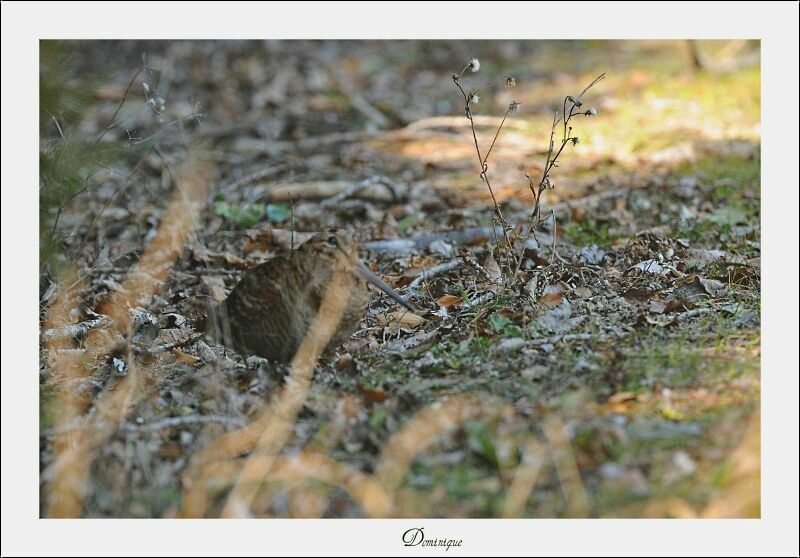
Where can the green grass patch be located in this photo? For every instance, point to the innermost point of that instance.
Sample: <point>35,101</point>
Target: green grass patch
<point>589,231</point>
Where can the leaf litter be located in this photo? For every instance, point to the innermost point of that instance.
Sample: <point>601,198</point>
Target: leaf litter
<point>610,310</point>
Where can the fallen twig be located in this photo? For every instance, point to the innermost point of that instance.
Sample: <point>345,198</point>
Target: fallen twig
<point>404,246</point>
<point>253,177</point>
<point>357,188</point>
<point>82,423</point>
<point>76,331</point>
<point>459,122</point>
<point>692,313</point>
<point>375,192</point>
<point>170,422</point>
<point>258,146</point>
<point>553,339</point>
<point>429,272</point>
<point>405,344</point>
<point>175,344</point>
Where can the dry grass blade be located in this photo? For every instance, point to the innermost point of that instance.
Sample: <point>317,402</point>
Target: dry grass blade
<point>422,430</point>
<point>517,495</point>
<point>68,485</point>
<point>326,190</point>
<point>743,495</point>
<point>267,435</point>
<point>75,450</point>
<point>578,504</point>
<point>364,489</point>
<point>156,262</point>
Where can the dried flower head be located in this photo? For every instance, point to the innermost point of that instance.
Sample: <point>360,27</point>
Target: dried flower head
<point>514,106</point>
<point>511,81</point>
<point>574,101</point>
<point>591,112</point>
<point>474,65</point>
<point>575,140</point>
<point>473,98</point>
<point>156,103</point>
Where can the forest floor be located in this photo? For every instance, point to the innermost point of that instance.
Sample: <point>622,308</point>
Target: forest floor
<point>617,376</point>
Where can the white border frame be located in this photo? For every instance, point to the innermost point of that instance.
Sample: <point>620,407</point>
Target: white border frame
<point>775,23</point>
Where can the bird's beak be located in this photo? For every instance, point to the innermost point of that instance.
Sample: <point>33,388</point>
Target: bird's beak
<point>363,271</point>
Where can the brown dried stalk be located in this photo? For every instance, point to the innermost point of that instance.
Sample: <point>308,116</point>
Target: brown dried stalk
<point>469,99</point>
<point>569,107</point>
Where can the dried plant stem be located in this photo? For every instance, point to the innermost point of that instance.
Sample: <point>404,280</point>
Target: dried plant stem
<point>503,121</point>
<point>568,112</point>
<point>570,108</point>
<point>482,161</point>
<point>113,121</point>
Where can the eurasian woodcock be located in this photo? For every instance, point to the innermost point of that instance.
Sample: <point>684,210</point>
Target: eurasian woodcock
<point>272,307</point>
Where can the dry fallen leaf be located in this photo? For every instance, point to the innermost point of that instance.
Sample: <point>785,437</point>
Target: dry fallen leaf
<point>621,397</point>
<point>582,292</point>
<point>447,301</point>
<point>657,306</point>
<point>662,307</point>
<point>492,269</point>
<point>402,318</point>
<point>386,227</point>
<point>185,358</point>
<point>649,266</point>
<point>419,262</point>
<point>207,256</point>
<point>101,341</point>
<point>344,362</point>
<point>559,288</point>
<point>530,286</point>
<point>374,395</point>
<point>551,299</point>
<point>215,286</point>
<point>171,450</point>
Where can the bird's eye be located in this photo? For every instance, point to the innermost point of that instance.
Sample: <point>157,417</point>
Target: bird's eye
<point>332,241</point>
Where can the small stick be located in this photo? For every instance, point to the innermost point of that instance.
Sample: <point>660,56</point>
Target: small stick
<point>112,123</point>
<point>429,272</point>
<point>76,331</point>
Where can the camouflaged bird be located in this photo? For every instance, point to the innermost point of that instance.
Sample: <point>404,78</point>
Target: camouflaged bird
<point>271,309</point>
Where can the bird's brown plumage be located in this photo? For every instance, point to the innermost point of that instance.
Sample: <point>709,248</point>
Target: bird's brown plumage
<point>271,309</point>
